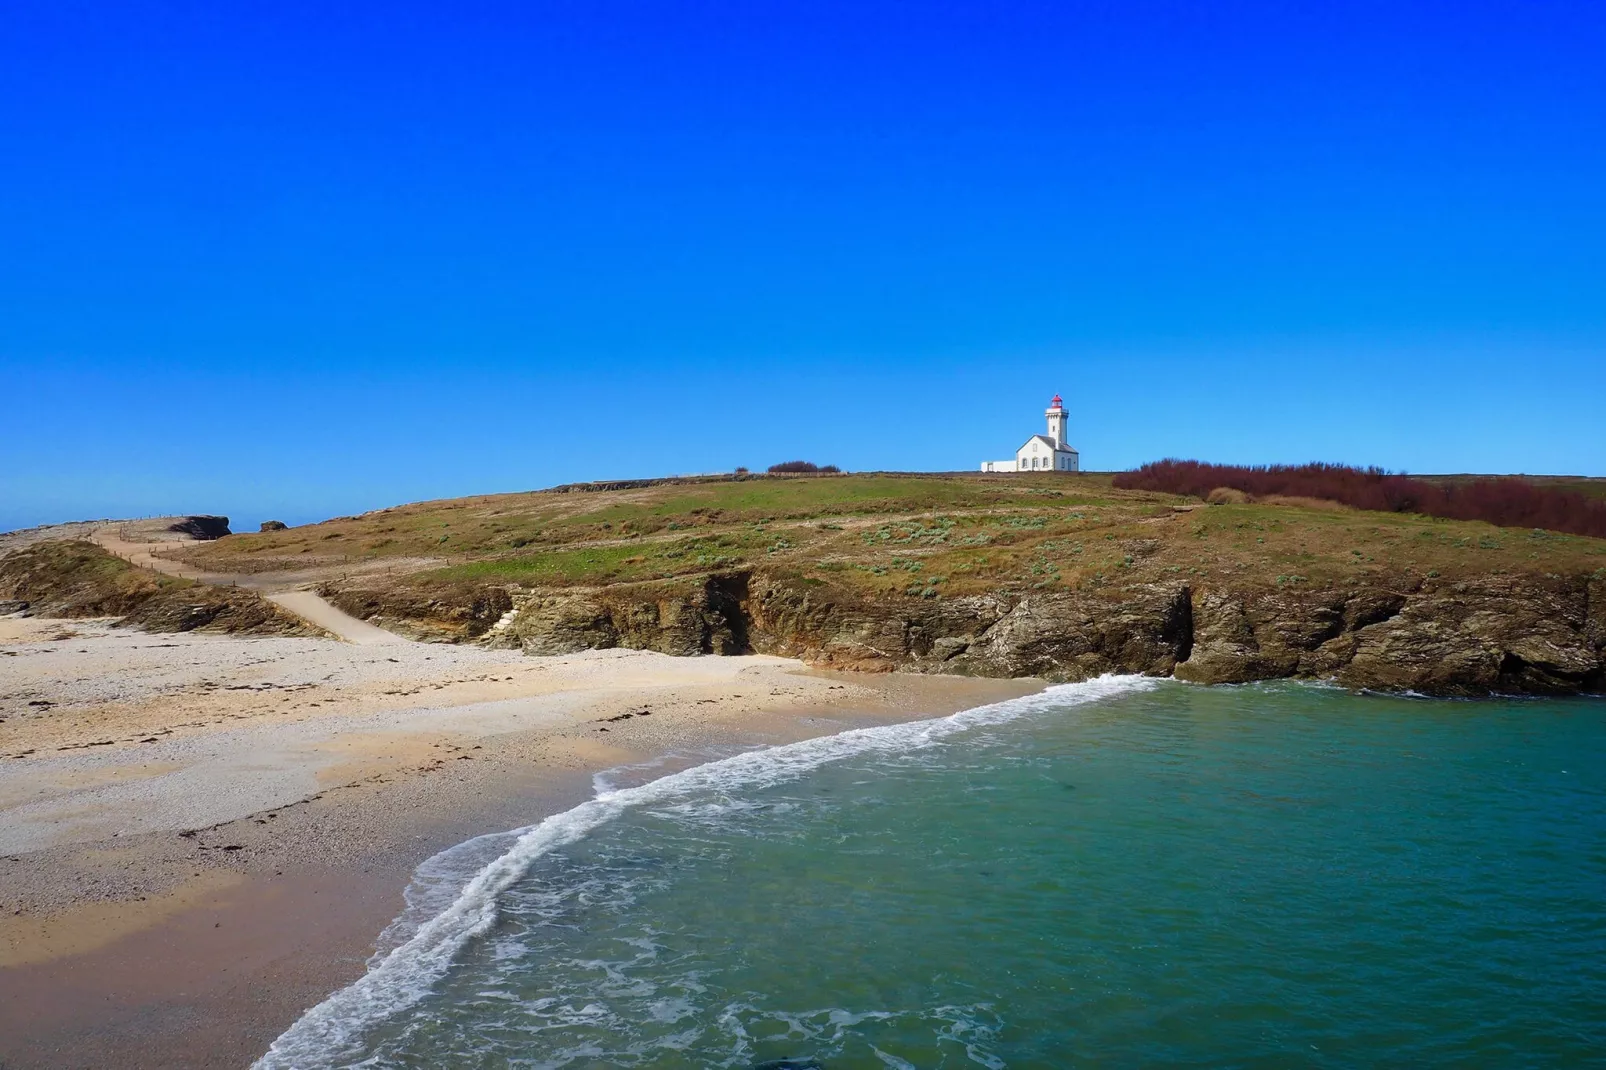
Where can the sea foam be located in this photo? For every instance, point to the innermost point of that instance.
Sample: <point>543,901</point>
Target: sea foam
<point>331,1033</point>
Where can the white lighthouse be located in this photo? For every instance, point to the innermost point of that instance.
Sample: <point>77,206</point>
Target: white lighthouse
<point>1043,453</point>
<point>1056,422</point>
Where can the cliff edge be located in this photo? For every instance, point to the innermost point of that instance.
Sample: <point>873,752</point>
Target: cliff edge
<point>1056,576</point>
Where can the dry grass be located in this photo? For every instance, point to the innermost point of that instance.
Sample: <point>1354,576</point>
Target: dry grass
<point>1321,504</point>
<point>892,534</point>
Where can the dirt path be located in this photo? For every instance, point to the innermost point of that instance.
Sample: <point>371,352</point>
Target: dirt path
<point>306,604</point>
<point>309,606</point>
<point>143,554</point>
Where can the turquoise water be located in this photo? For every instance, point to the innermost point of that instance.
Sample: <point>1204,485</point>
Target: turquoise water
<point>1133,873</point>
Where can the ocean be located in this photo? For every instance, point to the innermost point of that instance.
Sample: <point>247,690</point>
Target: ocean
<point>1119,873</point>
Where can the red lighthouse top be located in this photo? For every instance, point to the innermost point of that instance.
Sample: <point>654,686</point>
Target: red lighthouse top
<point>1056,403</point>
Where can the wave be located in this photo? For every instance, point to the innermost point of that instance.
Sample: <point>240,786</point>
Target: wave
<point>331,1033</point>
<point>438,879</point>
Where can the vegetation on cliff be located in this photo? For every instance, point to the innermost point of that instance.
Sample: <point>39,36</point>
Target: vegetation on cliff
<point>1506,501</point>
<point>1054,575</point>
<point>803,467</point>
<point>76,578</point>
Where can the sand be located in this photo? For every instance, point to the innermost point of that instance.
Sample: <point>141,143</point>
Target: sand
<point>200,836</point>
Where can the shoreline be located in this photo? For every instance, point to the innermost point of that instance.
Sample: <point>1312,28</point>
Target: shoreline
<point>197,946</point>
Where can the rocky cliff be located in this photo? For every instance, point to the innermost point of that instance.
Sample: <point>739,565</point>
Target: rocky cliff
<point>1517,634</point>
<point>698,615</point>
<point>1054,635</point>
<point>440,613</point>
<point>1528,635</point>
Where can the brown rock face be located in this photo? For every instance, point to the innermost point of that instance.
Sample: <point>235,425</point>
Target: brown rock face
<point>1595,628</point>
<point>1534,635</point>
<point>1524,635</point>
<point>443,613</point>
<point>215,609</point>
<point>1259,635</point>
<point>685,618</point>
<point>1057,636</point>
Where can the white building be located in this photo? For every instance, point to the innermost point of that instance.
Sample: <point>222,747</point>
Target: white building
<point>1042,453</point>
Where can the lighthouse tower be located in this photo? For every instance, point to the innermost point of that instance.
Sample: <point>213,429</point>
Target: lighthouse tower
<point>1056,422</point>
<point>1041,453</point>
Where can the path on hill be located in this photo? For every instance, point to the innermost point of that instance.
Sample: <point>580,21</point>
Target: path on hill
<point>142,553</point>
<point>310,606</point>
<point>306,604</point>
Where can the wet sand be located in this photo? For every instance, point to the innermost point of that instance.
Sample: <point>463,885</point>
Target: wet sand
<point>180,902</point>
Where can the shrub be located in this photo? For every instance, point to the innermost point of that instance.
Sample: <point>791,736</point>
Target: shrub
<point>1505,501</point>
<point>803,466</point>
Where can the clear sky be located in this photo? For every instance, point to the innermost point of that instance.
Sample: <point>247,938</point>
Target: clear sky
<point>296,260</point>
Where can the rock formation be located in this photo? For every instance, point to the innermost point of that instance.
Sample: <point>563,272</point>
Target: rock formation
<point>201,527</point>
<point>1530,635</point>
<point>701,615</point>
<point>443,613</point>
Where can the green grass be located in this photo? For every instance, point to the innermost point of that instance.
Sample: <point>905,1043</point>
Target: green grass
<point>596,565</point>
<point>608,564</point>
<point>888,534</point>
<point>474,527</point>
<point>815,497</point>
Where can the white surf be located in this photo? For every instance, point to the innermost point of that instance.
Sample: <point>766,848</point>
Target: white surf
<point>331,1033</point>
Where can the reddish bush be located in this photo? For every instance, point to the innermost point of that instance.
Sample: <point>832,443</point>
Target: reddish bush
<point>803,466</point>
<point>1505,500</point>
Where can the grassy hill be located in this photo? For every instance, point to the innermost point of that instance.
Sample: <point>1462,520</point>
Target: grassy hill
<point>891,534</point>
<point>76,578</point>
<point>1052,575</point>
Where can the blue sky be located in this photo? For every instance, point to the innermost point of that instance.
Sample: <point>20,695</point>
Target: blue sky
<point>280,260</point>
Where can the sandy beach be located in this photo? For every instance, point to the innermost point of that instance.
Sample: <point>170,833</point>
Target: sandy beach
<point>201,836</point>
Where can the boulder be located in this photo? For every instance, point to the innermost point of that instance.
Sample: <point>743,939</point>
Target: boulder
<point>274,525</point>
<point>201,527</point>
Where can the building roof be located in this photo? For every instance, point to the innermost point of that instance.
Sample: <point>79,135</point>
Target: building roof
<point>1050,443</point>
